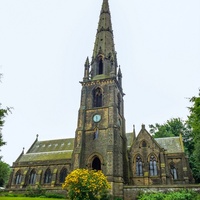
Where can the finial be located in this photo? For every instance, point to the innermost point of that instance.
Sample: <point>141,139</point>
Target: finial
<point>134,135</point>
<point>87,62</point>
<point>23,150</point>
<point>86,70</point>
<point>37,137</point>
<point>143,126</point>
<point>119,72</point>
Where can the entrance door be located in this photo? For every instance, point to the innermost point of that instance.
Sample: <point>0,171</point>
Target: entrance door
<point>96,164</point>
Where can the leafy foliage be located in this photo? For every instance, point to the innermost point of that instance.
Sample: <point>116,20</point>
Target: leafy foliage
<point>173,127</point>
<point>35,192</point>
<point>3,113</point>
<point>178,195</point>
<point>194,123</point>
<point>190,131</point>
<point>83,184</point>
<point>4,173</point>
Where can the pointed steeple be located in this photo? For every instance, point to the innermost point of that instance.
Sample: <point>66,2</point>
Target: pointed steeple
<point>104,61</point>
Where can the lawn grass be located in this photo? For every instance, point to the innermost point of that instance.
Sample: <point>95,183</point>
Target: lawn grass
<point>26,198</point>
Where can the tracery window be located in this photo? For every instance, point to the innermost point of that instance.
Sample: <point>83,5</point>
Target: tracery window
<point>63,174</point>
<point>97,97</point>
<point>32,177</point>
<point>139,170</point>
<point>153,166</point>
<point>18,177</point>
<point>47,176</point>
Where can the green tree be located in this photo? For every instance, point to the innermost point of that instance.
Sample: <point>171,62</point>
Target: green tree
<point>194,123</point>
<point>4,168</point>
<point>173,127</point>
<point>3,113</point>
<point>4,173</point>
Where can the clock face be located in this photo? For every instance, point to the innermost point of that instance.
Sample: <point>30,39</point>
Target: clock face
<point>96,118</point>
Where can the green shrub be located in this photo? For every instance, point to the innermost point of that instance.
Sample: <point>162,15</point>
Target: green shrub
<point>152,196</point>
<point>35,192</point>
<point>176,195</point>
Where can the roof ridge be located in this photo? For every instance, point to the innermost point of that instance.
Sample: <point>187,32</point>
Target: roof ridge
<point>49,152</point>
<point>56,140</point>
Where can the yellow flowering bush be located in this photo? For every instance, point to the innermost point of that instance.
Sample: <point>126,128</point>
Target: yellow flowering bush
<point>84,184</point>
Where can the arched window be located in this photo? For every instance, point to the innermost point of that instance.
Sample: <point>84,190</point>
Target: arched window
<point>47,176</point>
<point>18,177</point>
<point>97,97</point>
<point>96,164</point>
<point>63,174</point>
<point>144,144</point>
<point>32,177</point>
<point>173,171</point>
<point>139,170</point>
<point>153,166</point>
<point>100,66</point>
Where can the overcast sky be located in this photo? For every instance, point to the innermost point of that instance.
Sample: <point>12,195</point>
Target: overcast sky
<point>44,45</point>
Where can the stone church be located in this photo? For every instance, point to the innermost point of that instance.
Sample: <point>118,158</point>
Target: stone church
<point>101,141</point>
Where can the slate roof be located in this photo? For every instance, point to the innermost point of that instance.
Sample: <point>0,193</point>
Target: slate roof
<point>61,149</point>
<point>171,144</point>
<point>49,150</point>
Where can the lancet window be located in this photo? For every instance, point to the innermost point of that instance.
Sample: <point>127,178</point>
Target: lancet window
<point>32,177</point>
<point>100,66</point>
<point>47,176</point>
<point>63,174</point>
<point>139,167</point>
<point>97,97</point>
<point>18,177</point>
<point>153,166</point>
<point>173,171</point>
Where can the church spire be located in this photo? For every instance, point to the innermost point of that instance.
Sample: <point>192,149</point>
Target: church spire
<point>104,59</point>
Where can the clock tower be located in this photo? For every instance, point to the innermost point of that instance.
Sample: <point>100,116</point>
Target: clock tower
<point>100,140</point>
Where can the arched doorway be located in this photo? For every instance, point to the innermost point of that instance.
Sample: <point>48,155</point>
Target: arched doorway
<point>96,164</point>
